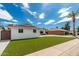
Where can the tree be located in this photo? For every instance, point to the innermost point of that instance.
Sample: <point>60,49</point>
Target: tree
<point>67,27</point>
<point>57,27</point>
<point>62,27</point>
<point>73,15</point>
<point>3,28</point>
<point>78,29</point>
<point>10,25</point>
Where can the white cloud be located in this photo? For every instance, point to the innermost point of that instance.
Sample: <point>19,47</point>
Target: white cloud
<point>1,5</point>
<point>45,7</point>
<point>26,5</point>
<point>15,4</point>
<point>77,17</point>
<point>42,16</point>
<point>32,13</point>
<point>38,23</point>
<point>14,20</point>
<point>64,14</point>
<point>49,22</point>
<point>64,20</point>
<point>5,22</point>
<point>29,21</point>
<point>63,10</point>
<point>27,8</point>
<point>5,15</point>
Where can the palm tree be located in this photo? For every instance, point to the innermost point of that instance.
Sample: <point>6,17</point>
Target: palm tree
<point>73,15</point>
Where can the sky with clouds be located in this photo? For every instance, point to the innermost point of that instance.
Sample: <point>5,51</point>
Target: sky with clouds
<point>44,15</point>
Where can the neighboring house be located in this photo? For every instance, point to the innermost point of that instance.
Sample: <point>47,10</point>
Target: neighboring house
<point>23,31</point>
<point>57,32</point>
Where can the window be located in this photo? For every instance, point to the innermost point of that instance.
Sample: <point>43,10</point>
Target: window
<point>34,30</point>
<point>20,30</point>
<point>41,32</point>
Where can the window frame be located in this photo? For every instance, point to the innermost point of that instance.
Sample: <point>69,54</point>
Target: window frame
<point>34,30</point>
<point>20,30</point>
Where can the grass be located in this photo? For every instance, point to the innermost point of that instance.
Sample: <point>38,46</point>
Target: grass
<point>23,47</point>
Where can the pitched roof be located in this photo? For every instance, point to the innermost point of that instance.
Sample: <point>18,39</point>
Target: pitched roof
<point>25,25</point>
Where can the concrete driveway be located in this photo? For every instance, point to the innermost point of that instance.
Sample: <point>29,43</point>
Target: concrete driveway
<point>70,48</point>
<point>3,45</point>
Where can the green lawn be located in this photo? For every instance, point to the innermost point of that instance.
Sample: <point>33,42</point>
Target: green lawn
<point>23,47</point>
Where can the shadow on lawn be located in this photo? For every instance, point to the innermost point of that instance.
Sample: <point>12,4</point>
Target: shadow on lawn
<point>24,39</point>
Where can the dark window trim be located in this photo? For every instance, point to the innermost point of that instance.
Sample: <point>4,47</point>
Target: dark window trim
<point>34,30</point>
<point>20,30</point>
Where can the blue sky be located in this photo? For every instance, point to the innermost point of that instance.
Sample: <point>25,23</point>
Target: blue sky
<point>47,15</point>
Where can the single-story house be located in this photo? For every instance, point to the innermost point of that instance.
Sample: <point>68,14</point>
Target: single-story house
<point>20,32</point>
<point>24,31</point>
<point>57,31</point>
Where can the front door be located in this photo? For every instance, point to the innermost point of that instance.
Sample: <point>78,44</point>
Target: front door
<point>5,35</point>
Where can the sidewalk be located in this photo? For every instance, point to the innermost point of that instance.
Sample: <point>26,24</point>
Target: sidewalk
<point>70,48</point>
<point>57,35</point>
<point>3,44</point>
